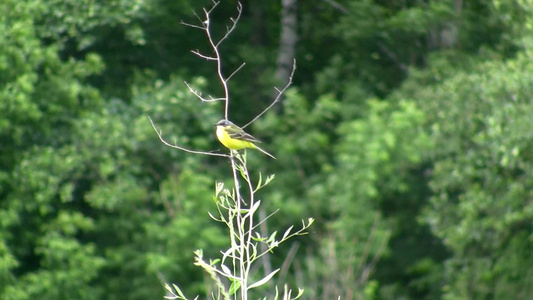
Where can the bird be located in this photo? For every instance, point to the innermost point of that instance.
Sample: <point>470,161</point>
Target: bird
<point>234,138</point>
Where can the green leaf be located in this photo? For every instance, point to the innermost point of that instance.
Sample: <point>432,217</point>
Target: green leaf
<point>234,287</point>
<point>264,280</point>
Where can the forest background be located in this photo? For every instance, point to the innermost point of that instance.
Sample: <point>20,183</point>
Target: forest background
<point>407,134</point>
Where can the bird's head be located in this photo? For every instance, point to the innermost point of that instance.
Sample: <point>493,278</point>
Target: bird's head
<point>223,123</point>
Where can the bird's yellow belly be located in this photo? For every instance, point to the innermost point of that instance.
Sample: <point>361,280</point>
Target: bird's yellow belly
<point>230,142</point>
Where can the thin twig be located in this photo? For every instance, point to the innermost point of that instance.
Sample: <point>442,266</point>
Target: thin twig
<point>191,25</point>
<point>278,97</point>
<point>216,57</point>
<point>198,94</point>
<point>175,146</point>
<point>195,26</point>
<point>214,45</point>
<point>265,219</point>
<point>197,53</point>
<point>235,21</point>
<point>215,4</point>
<point>236,70</point>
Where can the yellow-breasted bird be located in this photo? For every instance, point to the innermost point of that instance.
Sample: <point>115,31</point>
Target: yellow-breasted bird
<point>233,137</point>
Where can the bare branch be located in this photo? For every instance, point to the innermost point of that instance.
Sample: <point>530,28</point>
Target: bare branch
<point>215,4</point>
<point>197,53</point>
<point>216,57</point>
<point>265,219</point>
<point>234,21</point>
<point>198,94</point>
<point>191,25</point>
<point>196,26</point>
<point>235,72</point>
<point>211,99</point>
<point>278,97</point>
<point>175,146</point>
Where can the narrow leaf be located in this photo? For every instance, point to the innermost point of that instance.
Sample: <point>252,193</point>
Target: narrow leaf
<point>234,287</point>
<point>255,207</point>
<point>269,179</point>
<point>230,252</point>
<point>226,270</point>
<point>272,236</point>
<point>301,292</point>
<point>219,187</point>
<point>287,232</point>
<point>264,280</point>
<point>178,290</point>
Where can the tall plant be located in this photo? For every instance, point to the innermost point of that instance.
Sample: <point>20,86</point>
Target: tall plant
<point>234,273</point>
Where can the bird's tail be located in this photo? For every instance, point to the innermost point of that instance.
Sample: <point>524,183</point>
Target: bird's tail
<point>256,147</point>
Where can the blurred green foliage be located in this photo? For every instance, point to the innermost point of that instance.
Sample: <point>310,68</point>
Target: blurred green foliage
<point>406,135</point>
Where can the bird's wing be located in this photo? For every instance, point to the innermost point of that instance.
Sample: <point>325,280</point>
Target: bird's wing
<point>239,134</point>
